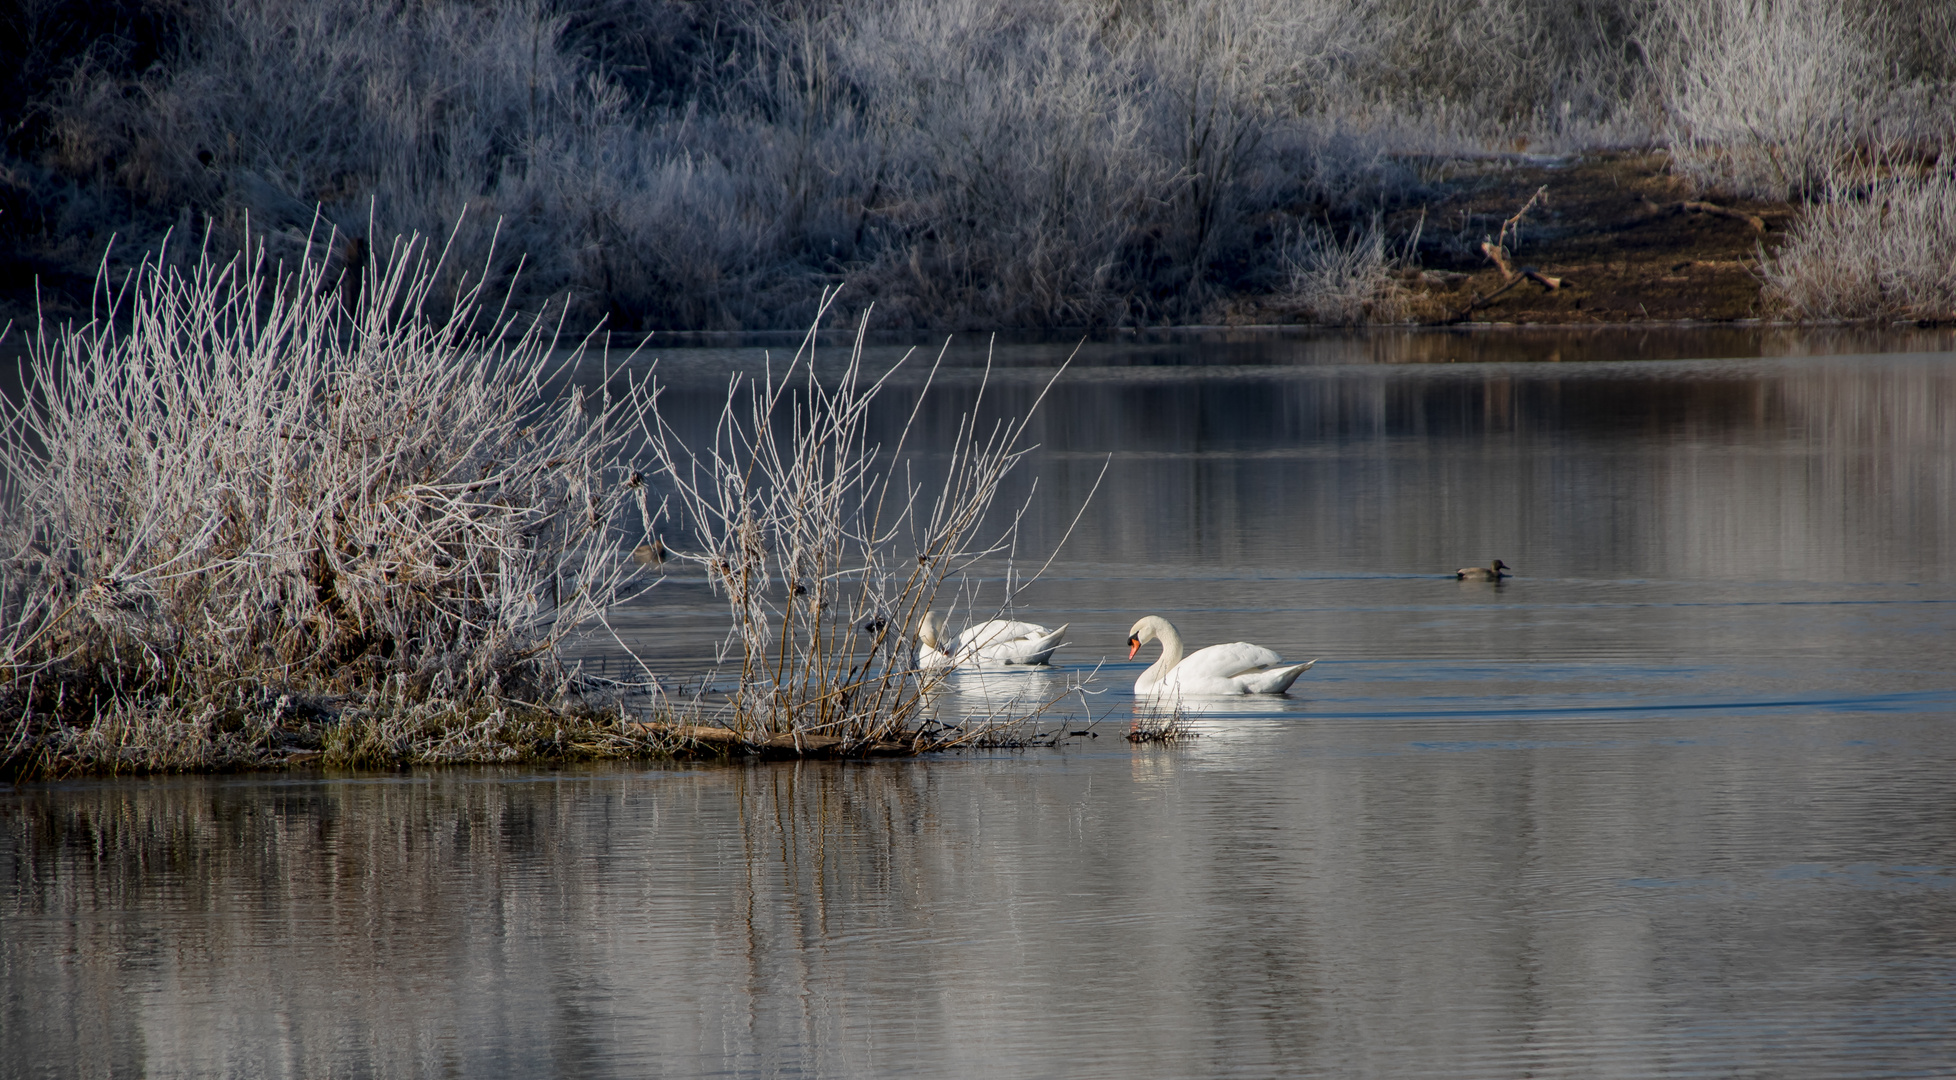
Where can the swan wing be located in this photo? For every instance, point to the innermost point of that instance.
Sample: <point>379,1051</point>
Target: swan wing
<point>1008,641</point>
<point>1236,668</point>
<point>997,632</point>
<point>1227,661</point>
<point>1036,650</point>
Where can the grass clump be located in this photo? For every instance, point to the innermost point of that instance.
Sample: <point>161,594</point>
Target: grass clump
<point>1161,722</point>
<point>258,515</point>
<point>1882,251</point>
<point>248,504</point>
<point>1345,282</point>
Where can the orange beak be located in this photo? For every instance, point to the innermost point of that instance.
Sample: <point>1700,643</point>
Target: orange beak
<point>1133,646</point>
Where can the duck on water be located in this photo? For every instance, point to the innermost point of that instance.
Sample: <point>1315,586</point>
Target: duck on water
<point>1494,572</point>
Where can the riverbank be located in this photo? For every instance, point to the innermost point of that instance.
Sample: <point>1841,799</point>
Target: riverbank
<point>1622,238</point>
<point>1605,238</point>
<point>1615,237</point>
<point>961,166</point>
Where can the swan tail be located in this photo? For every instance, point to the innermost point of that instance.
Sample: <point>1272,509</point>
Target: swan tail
<point>1043,648</point>
<point>1278,680</point>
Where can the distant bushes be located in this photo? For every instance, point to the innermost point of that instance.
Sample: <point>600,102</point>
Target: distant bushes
<point>715,163</point>
<point>1774,97</point>
<point>1883,251</point>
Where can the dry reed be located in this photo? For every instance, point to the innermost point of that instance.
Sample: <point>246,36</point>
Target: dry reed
<point>259,515</point>
<point>247,493</point>
<point>1160,722</point>
<point>828,550</point>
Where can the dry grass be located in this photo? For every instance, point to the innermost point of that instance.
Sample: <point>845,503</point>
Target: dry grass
<point>244,485</point>
<point>1346,282</point>
<point>259,515</point>
<point>1160,722</point>
<point>1880,251</point>
<point>385,728</point>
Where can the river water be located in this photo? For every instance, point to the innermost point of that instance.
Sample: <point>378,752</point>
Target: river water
<point>1677,800</point>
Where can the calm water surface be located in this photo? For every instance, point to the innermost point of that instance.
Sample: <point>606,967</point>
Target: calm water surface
<point>1680,800</point>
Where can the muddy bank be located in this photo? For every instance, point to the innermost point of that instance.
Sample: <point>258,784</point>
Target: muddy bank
<point>1610,238</point>
<point>1625,239</point>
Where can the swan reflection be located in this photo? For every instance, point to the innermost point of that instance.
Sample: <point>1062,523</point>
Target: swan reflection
<point>1006,692</point>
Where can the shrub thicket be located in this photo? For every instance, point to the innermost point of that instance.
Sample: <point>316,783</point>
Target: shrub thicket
<point>1881,251</point>
<point>242,489</point>
<point>713,163</point>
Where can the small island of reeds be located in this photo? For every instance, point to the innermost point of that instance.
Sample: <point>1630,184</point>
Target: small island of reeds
<point>262,516</point>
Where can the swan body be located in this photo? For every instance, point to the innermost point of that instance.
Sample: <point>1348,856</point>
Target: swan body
<point>1495,572</point>
<point>995,641</point>
<point>1236,668</point>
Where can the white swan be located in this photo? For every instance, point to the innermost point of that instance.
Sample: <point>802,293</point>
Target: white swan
<point>996,641</point>
<point>927,654</point>
<point>1236,668</point>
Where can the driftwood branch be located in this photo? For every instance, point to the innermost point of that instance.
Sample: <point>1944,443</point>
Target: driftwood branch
<point>1513,224</point>
<point>1758,223</point>
<point>1496,251</point>
<point>1510,277</point>
<point>1483,301</point>
<point>1498,255</point>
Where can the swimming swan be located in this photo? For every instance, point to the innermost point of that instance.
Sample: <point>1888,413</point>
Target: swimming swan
<point>1236,668</point>
<point>995,641</point>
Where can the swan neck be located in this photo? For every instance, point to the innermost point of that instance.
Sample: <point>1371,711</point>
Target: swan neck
<point>1171,654</point>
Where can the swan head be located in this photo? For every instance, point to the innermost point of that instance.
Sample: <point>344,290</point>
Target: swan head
<point>1143,632</point>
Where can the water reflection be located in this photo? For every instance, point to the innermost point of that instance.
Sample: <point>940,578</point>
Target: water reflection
<point>1241,482</point>
<point>1004,691</point>
<point>1636,900</point>
<point>1672,802</point>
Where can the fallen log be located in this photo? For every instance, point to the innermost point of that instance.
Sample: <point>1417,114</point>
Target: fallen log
<point>699,733</point>
<point>1498,255</point>
<point>1690,207</point>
